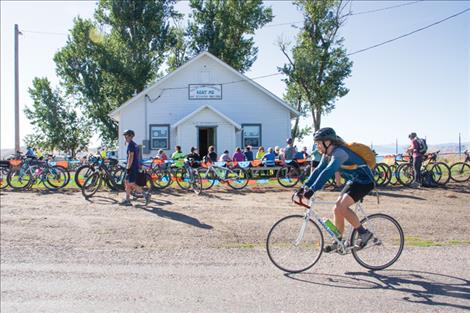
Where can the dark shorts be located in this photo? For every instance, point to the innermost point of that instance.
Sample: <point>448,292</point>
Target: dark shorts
<point>131,177</point>
<point>358,191</point>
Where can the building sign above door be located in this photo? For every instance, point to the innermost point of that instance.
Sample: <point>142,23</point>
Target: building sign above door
<point>205,91</point>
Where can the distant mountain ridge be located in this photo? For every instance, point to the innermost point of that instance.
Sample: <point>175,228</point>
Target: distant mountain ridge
<point>443,148</point>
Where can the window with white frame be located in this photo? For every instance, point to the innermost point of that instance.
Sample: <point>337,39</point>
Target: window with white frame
<point>251,135</point>
<point>160,137</point>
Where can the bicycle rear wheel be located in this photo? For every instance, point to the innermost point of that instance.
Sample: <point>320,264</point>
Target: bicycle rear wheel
<point>19,179</point>
<point>208,178</point>
<point>160,178</point>
<point>440,173</point>
<point>460,172</point>
<point>288,176</point>
<point>82,173</point>
<point>382,174</point>
<point>91,185</point>
<point>294,243</point>
<point>237,178</point>
<point>56,178</point>
<point>385,247</point>
<point>183,178</point>
<point>405,174</point>
<point>3,177</point>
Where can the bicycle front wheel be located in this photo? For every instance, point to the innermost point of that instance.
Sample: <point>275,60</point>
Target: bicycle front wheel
<point>294,243</point>
<point>91,185</point>
<point>288,176</point>
<point>460,172</point>
<point>385,247</point>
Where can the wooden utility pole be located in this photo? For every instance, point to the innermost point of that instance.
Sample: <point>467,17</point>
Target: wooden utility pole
<point>17,93</point>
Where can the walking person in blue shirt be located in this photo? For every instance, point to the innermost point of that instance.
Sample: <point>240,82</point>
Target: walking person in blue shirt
<point>335,155</point>
<point>133,164</point>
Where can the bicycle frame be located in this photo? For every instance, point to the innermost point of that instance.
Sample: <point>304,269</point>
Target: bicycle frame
<point>345,246</point>
<point>213,169</point>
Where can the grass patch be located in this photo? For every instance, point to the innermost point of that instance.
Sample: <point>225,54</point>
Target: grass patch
<point>241,245</point>
<point>411,241</point>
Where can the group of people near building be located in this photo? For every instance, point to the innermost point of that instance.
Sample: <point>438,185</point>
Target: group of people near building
<point>289,152</point>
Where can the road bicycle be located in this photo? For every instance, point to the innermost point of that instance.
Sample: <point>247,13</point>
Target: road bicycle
<point>236,177</point>
<point>295,242</point>
<point>114,179</point>
<point>460,171</point>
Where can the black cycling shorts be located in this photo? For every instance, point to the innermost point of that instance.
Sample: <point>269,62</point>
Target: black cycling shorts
<point>358,191</point>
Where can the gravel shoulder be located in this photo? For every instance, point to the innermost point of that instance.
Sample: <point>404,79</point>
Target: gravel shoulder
<point>188,253</point>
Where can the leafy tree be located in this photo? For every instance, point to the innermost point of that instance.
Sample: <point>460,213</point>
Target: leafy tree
<point>318,63</point>
<point>223,27</point>
<point>103,69</point>
<point>56,124</point>
<point>179,48</point>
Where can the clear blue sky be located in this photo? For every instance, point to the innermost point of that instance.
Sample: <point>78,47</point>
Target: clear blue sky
<point>420,83</point>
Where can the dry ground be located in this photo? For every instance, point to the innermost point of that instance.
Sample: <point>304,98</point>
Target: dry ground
<point>220,218</point>
<point>188,253</point>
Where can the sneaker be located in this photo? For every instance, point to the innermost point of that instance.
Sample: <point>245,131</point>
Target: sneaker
<point>415,185</point>
<point>331,247</point>
<point>125,202</point>
<point>147,196</point>
<point>363,239</point>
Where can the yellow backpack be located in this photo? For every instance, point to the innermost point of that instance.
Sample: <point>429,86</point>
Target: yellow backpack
<point>364,152</point>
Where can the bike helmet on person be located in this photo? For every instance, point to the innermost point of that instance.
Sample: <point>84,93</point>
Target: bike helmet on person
<point>412,135</point>
<point>129,132</point>
<point>326,133</point>
<point>289,141</point>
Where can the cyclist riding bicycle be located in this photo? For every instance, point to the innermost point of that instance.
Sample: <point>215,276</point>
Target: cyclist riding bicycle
<point>336,156</point>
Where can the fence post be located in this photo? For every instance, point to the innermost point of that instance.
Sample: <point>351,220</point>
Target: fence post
<point>460,146</point>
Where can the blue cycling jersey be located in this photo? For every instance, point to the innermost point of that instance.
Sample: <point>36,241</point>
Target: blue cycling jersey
<point>341,156</point>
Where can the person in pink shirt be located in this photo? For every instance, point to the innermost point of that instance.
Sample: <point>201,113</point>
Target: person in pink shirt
<point>238,155</point>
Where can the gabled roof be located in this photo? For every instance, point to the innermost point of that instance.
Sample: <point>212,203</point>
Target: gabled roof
<point>201,108</point>
<point>143,93</point>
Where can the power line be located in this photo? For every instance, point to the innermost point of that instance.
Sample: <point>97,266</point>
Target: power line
<point>410,33</point>
<point>353,14</point>
<point>384,9</point>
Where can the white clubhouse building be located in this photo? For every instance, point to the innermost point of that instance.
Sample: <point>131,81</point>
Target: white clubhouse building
<point>204,102</point>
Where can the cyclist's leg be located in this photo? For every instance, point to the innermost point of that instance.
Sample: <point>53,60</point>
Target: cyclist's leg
<point>417,162</point>
<point>350,195</point>
<point>342,211</point>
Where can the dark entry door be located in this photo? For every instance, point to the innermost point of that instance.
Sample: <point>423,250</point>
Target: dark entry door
<point>206,138</point>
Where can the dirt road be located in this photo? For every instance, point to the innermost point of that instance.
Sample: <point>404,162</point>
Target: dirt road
<point>187,253</point>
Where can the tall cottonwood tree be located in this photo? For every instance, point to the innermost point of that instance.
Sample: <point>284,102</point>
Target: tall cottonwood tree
<point>109,58</point>
<point>225,28</point>
<point>318,63</point>
<point>57,125</point>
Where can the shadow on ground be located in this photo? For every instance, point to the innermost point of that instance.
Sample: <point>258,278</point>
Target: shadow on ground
<point>415,286</point>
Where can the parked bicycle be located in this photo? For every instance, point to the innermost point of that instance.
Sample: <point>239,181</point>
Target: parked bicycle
<point>188,178</point>
<point>440,172</point>
<point>235,176</point>
<point>291,173</point>
<point>102,172</point>
<point>32,171</point>
<point>295,242</point>
<point>85,171</point>
<point>460,171</point>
